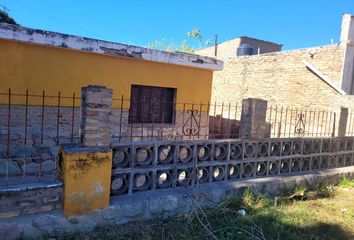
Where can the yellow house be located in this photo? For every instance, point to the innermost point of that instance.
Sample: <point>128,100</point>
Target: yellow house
<point>152,90</point>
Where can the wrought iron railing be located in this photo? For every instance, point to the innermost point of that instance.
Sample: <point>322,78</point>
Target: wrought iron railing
<point>298,122</point>
<point>32,125</point>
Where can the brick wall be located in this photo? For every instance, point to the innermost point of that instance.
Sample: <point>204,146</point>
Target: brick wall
<point>24,201</point>
<point>283,79</point>
<point>125,131</point>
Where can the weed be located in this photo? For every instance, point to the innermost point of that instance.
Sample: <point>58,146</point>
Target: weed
<point>45,237</point>
<point>265,202</point>
<point>323,190</point>
<point>300,188</point>
<point>250,197</point>
<point>298,220</point>
<point>346,182</point>
<point>21,237</point>
<point>293,193</point>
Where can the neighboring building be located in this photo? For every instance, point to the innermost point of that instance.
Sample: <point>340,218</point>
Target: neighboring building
<point>240,46</point>
<point>317,78</point>
<point>155,85</point>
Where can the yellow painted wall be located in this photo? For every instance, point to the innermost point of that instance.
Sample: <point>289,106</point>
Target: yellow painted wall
<point>87,179</point>
<point>36,68</point>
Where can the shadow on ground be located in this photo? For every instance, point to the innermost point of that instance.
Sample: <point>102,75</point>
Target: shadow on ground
<point>220,223</point>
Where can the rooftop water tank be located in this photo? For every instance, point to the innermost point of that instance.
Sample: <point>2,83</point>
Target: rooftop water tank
<point>244,49</point>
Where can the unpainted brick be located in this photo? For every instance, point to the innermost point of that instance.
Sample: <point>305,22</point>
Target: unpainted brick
<point>10,214</point>
<point>39,209</point>
<point>51,199</point>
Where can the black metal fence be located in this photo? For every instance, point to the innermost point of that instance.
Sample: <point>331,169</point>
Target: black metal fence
<point>189,120</point>
<point>27,118</point>
<point>32,125</point>
<point>297,122</point>
<point>39,118</point>
<point>350,124</point>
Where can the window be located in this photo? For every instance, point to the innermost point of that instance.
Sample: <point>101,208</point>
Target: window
<point>151,104</point>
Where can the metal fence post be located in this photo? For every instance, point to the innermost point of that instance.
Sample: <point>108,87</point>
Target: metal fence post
<point>334,125</point>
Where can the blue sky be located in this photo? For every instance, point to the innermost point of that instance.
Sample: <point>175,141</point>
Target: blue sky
<point>293,23</point>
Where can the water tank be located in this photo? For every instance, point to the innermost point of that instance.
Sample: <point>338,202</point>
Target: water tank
<point>244,49</point>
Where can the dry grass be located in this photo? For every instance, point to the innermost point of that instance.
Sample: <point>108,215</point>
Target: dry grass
<point>333,215</point>
<point>313,215</point>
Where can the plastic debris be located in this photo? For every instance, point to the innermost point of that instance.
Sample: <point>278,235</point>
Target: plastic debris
<point>242,212</point>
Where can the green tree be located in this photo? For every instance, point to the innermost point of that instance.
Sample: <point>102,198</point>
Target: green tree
<point>5,18</point>
<point>185,46</point>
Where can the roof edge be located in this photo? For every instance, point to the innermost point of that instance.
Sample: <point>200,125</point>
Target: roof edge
<point>83,44</point>
<point>315,48</point>
<point>235,38</point>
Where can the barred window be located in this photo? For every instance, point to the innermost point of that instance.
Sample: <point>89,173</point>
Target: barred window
<point>151,104</point>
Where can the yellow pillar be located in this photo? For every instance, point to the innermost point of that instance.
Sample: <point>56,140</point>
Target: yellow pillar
<point>87,177</point>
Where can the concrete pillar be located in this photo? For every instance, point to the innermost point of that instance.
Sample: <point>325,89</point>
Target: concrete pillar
<point>96,108</point>
<point>87,168</point>
<point>347,41</point>
<point>253,119</point>
<point>342,124</point>
<point>86,173</point>
<point>347,29</point>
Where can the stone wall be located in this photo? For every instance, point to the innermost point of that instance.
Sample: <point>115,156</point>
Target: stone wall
<point>30,200</point>
<point>31,155</point>
<point>120,127</point>
<point>36,168</point>
<point>283,79</point>
<point>30,133</point>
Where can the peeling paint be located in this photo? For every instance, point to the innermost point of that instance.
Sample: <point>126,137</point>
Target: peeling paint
<point>121,52</point>
<point>199,61</point>
<point>77,196</point>
<point>85,201</point>
<point>63,44</point>
<point>99,190</point>
<point>87,175</point>
<point>53,39</point>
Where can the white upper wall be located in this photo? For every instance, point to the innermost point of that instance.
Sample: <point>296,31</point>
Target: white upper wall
<point>347,31</point>
<point>59,40</point>
<point>347,41</point>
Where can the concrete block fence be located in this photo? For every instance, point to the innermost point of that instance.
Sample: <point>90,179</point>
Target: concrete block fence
<point>171,164</point>
<point>151,166</point>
